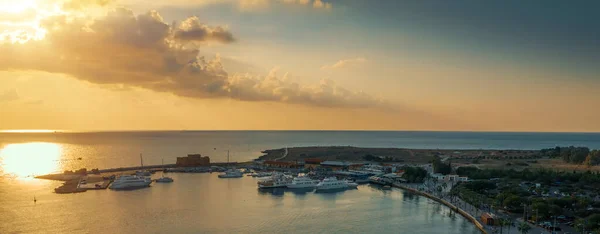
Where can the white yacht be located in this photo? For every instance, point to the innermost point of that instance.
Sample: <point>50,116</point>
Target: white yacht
<point>351,184</point>
<point>130,182</point>
<point>331,183</point>
<point>303,182</point>
<point>232,173</point>
<point>277,180</point>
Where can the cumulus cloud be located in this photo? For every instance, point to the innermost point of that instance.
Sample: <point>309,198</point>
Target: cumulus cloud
<point>9,95</point>
<point>282,89</point>
<point>192,29</point>
<point>344,62</point>
<point>128,50</point>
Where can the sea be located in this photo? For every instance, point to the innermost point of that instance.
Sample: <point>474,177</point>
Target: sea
<point>203,203</point>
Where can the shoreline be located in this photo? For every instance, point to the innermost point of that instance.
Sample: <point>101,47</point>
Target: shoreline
<point>446,203</point>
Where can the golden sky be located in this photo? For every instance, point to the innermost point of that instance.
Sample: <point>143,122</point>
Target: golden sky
<point>273,64</point>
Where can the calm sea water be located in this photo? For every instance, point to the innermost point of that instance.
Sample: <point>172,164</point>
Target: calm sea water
<point>201,203</point>
<point>26,154</point>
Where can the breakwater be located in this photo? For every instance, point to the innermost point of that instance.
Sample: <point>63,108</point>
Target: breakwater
<point>446,203</point>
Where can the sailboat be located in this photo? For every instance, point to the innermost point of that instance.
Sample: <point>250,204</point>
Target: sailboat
<point>231,173</point>
<point>164,179</point>
<point>142,172</point>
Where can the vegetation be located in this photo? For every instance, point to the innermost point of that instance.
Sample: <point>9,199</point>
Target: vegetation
<point>524,228</point>
<point>575,155</point>
<point>370,157</point>
<point>441,167</point>
<point>414,174</point>
<point>544,193</point>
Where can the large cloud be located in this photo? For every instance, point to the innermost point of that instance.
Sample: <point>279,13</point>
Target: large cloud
<point>143,51</point>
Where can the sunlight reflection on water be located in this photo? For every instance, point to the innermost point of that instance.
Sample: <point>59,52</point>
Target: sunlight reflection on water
<point>25,160</point>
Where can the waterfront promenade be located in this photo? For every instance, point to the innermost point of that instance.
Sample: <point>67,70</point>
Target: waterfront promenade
<point>470,212</point>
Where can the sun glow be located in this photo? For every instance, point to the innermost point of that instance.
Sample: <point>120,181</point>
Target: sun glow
<point>29,159</point>
<point>28,131</point>
<point>16,6</point>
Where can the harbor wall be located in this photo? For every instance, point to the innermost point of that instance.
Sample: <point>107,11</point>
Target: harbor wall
<point>448,204</point>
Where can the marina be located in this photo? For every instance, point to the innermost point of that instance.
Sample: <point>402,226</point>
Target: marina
<point>179,205</point>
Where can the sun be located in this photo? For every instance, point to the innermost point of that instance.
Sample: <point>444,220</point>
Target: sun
<point>29,159</point>
<point>16,6</point>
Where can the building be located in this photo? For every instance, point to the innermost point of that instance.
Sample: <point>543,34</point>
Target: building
<point>281,164</point>
<point>488,219</point>
<point>463,179</point>
<point>193,160</point>
<point>339,165</point>
<point>312,163</point>
<point>438,176</point>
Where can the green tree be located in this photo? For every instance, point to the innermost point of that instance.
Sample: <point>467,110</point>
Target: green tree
<point>512,202</point>
<point>524,228</point>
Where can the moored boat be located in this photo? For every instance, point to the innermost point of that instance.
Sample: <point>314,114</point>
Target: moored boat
<point>130,182</point>
<point>331,183</point>
<point>232,173</point>
<point>303,182</point>
<point>277,180</point>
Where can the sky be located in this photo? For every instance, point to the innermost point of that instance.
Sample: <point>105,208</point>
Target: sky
<point>101,65</point>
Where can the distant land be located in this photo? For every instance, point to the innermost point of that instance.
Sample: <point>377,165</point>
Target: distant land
<point>481,158</point>
<point>349,153</point>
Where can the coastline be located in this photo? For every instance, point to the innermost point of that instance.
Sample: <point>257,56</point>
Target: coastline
<point>446,203</point>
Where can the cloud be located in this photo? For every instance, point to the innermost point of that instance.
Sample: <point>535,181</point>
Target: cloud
<point>343,63</point>
<point>26,15</point>
<point>192,30</point>
<point>122,49</point>
<point>282,89</point>
<point>81,4</point>
<point>9,95</point>
<point>320,4</point>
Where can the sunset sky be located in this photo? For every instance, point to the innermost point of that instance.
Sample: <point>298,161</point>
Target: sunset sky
<point>467,65</point>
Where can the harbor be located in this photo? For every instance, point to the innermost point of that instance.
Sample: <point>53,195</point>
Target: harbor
<point>306,176</point>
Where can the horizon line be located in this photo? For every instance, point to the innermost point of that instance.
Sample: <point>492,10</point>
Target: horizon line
<point>46,131</point>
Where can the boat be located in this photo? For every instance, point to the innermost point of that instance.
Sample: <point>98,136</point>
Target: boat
<point>262,174</point>
<point>164,180</point>
<point>130,182</point>
<point>387,187</point>
<point>277,180</point>
<point>331,183</point>
<point>303,182</point>
<point>232,173</point>
<point>351,184</point>
<point>142,172</point>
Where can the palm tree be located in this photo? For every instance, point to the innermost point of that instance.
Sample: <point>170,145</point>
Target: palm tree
<point>524,228</point>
